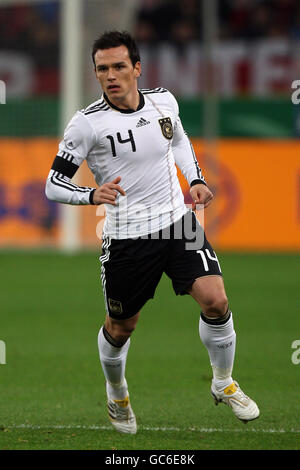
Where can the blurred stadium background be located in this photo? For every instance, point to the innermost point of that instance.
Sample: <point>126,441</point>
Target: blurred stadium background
<point>231,65</point>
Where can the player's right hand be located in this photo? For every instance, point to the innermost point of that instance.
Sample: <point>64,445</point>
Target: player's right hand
<point>107,193</point>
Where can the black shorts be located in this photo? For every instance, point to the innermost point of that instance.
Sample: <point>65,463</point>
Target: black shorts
<point>131,269</point>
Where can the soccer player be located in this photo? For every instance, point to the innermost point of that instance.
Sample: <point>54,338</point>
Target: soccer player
<point>131,139</point>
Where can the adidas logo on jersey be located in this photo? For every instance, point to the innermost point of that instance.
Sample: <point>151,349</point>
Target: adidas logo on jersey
<point>142,122</point>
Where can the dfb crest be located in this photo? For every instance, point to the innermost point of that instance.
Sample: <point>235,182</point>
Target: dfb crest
<point>166,127</point>
<point>115,306</point>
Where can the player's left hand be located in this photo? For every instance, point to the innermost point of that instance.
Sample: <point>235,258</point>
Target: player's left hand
<point>201,194</point>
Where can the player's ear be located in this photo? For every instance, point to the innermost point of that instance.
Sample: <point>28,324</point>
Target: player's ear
<point>137,69</point>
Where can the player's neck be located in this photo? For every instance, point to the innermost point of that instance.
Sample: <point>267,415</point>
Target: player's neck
<point>132,102</point>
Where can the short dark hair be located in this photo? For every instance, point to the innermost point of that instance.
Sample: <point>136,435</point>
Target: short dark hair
<point>115,39</point>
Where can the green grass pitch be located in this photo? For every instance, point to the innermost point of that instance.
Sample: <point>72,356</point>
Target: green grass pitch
<point>52,387</point>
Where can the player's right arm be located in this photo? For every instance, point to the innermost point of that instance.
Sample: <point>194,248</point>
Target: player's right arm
<point>79,139</point>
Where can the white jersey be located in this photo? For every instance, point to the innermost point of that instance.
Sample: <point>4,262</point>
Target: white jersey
<point>142,147</point>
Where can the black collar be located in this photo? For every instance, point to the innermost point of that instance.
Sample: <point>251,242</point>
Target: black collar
<point>126,111</point>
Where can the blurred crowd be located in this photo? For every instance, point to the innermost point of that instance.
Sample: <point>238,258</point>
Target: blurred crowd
<point>30,27</point>
<point>181,21</point>
<point>33,29</point>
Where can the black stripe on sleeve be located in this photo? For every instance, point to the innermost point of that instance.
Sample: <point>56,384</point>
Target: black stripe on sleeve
<point>65,167</point>
<point>91,196</point>
<point>58,181</point>
<point>197,182</point>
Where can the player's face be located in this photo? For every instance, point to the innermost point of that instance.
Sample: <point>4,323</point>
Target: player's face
<point>116,75</point>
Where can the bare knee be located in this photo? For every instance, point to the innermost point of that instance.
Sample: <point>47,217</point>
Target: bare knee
<point>209,292</point>
<point>121,330</point>
<point>215,307</point>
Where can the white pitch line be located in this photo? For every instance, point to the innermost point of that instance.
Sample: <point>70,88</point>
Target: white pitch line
<point>95,427</point>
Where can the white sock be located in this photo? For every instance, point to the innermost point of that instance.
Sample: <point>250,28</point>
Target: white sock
<point>113,362</point>
<point>219,340</point>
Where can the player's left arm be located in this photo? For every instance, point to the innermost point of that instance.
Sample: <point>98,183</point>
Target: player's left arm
<point>201,194</point>
<point>186,161</point>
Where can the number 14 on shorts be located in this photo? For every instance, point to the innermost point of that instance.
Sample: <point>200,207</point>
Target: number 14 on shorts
<point>206,254</point>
